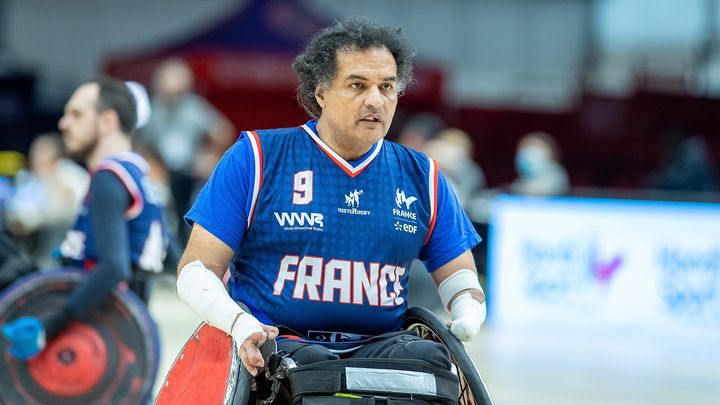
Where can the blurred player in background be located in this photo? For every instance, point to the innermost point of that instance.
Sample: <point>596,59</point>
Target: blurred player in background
<point>119,234</point>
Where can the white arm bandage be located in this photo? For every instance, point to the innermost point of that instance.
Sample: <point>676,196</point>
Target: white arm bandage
<point>206,295</point>
<point>467,313</point>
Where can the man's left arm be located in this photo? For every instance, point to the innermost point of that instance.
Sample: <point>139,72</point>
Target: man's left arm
<point>109,200</point>
<point>448,258</point>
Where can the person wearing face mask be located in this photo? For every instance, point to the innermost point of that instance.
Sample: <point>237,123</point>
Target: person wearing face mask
<point>539,172</point>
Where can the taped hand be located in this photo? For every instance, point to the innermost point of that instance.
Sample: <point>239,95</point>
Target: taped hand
<point>467,317</point>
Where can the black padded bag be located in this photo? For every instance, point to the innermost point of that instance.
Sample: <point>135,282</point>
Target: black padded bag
<point>375,381</point>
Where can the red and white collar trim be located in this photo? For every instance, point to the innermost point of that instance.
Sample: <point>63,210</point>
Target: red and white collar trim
<point>351,170</point>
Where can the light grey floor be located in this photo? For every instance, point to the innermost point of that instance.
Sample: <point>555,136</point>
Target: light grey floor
<point>522,366</point>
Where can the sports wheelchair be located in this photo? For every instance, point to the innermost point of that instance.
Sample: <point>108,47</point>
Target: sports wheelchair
<point>111,356</point>
<point>208,370</point>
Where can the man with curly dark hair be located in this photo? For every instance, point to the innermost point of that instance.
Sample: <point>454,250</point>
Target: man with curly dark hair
<point>319,223</point>
<point>317,66</point>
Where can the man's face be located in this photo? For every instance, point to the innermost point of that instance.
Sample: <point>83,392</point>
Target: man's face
<point>360,103</point>
<point>79,123</point>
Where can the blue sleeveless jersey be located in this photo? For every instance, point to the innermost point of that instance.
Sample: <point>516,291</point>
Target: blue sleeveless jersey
<point>148,238</point>
<point>324,246</point>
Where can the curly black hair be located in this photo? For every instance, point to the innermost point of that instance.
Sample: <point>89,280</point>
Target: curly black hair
<point>316,65</point>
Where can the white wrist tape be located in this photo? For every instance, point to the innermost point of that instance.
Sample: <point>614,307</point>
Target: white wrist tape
<point>467,315</point>
<point>461,280</point>
<point>205,294</point>
<point>245,326</point>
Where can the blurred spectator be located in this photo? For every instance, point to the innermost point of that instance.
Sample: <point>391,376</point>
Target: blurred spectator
<point>453,150</point>
<point>538,168</point>
<point>46,198</point>
<point>419,129</point>
<point>188,132</point>
<point>688,167</point>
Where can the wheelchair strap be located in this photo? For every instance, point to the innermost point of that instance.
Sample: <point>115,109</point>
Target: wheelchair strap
<point>335,344</point>
<point>401,379</point>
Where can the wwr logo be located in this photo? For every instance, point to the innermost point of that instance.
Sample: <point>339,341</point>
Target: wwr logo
<point>293,221</point>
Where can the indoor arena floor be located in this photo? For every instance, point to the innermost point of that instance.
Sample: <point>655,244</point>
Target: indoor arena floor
<point>520,367</point>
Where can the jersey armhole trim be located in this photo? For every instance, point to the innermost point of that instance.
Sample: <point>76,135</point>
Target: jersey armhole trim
<point>433,191</point>
<point>136,206</point>
<point>257,181</point>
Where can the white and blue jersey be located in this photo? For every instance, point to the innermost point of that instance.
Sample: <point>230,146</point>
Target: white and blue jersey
<point>148,239</point>
<point>323,246</point>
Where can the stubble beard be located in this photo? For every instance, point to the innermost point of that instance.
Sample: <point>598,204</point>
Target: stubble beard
<point>82,154</point>
<point>348,138</point>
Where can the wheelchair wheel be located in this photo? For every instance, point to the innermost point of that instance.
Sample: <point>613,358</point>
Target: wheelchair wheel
<point>428,326</point>
<point>207,370</point>
<point>111,356</point>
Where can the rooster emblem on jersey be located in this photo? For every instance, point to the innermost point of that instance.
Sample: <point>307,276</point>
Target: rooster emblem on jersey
<point>401,199</point>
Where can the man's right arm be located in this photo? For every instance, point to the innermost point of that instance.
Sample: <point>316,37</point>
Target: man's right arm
<point>200,286</point>
<point>219,218</point>
<point>207,248</point>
